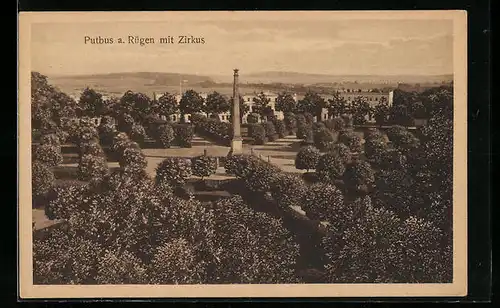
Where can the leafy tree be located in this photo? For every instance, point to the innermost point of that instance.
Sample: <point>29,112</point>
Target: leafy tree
<point>42,179</point>
<point>358,175</point>
<point>261,101</point>
<point>360,109</point>
<point>217,103</point>
<point>244,108</point>
<point>337,106</point>
<point>312,103</point>
<point>138,105</point>
<point>49,155</point>
<point>288,190</point>
<point>382,111</point>
<point>280,128</point>
<point>400,115</point>
<point>91,167</point>
<point>165,135</point>
<point>351,140</point>
<point>290,123</point>
<point>285,103</point>
<point>322,138</point>
<point>91,102</point>
<point>191,102</point>
<point>402,139</point>
<point>252,118</point>
<point>166,105</point>
<point>258,133</point>
<point>138,133</point>
<point>133,161</point>
<point>270,130</point>
<point>307,158</point>
<point>340,150</point>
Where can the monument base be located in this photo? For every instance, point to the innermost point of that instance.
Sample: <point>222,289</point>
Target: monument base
<point>236,146</point>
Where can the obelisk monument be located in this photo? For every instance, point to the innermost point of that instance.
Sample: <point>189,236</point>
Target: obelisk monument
<point>237,141</point>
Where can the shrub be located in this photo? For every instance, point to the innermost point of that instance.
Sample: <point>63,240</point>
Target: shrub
<point>175,262</point>
<point>270,131</point>
<point>252,118</point>
<point>50,139</point>
<point>402,139</point>
<point>348,121</point>
<point>42,179</point>
<point>364,248</point>
<point>288,190</point>
<point>174,171</point>
<point>137,133</point>
<point>263,251</point>
<point>92,167</point>
<point>280,128</point>
<point>309,118</point>
<point>125,123</point>
<point>290,123</point>
<point>48,154</point>
<point>330,167</point>
<point>351,140</point>
<point>91,148</point>
<point>374,134</point>
<point>203,166</point>
<point>307,158</point>
<point>304,132</point>
<point>258,134</point>
<point>64,201</point>
<point>317,126</point>
<point>183,135</point>
<point>106,133</point>
<point>165,135</point>
<point>341,150</point>
<point>241,165</point>
<point>358,173</point>
<point>322,138</point>
<point>336,124</point>
<point>261,177</point>
<point>120,267</point>
<point>324,202</point>
<point>133,161</point>
<point>375,149</point>
<point>62,135</point>
<point>84,134</point>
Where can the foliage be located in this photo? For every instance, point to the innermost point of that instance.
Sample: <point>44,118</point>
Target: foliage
<point>330,167</point>
<point>258,133</point>
<point>312,103</point>
<point>357,174</point>
<point>270,130</point>
<point>351,140</point>
<point>203,166</point>
<point>337,106</point>
<point>191,102</point>
<point>261,101</point>
<point>261,177</point>
<point>307,158</point>
<point>91,102</point>
<point>280,128</point>
<point>165,135</point>
<point>166,105</point>
<point>252,118</point>
<point>48,154</point>
<point>50,139</point>
<point>218,131</point>
<point>402,139</point>
<point>216,103</point>
<point>137,105</point>
<point>137,133</point>
<point>91,148</point>
<point>91,167</point>
<point>133,161</point>
<point>183,135</point>
<point>42,179</point>
<point>240,165</point>
<point>382,111</point>
<point>336,124</point>
<point>340,150</point>
<point>324,202</point>
<point>288,190</point>
<point>106,132</point>
<point>125,123</point>
<point>285,103</point>
<point>359,110</point>
<point>173,170</point>
<point>376,150</point>
<point>290,123</point>
<point>64,200</point>
<point>322,138</point>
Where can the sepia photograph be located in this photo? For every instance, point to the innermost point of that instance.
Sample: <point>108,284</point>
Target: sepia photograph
<point>242,154</point>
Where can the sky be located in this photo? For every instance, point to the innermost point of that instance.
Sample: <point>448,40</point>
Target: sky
<point>338,47</point>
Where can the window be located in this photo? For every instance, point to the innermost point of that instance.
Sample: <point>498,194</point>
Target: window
<point>275,99</point>
<point>248,99</point>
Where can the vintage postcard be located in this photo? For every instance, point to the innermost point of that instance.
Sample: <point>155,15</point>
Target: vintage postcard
<point>242,154</point>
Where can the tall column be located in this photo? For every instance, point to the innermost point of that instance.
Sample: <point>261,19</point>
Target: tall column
<point>237,141</point>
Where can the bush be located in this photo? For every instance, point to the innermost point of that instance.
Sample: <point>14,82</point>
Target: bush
<point>309,118</point>
<point>336,124</point>
<point>62,135</point>
<point>241,165</point>
<point>330,167</point>
<point>402,139</point>
<point>374,134</point>
<point>288,190</point>
<point>290,123</point>
<point>317,126</point>
<point>125,123</point>
<point>280,128</point>
<point>324,202</point>
<point>340,150</point>
<point>258,133</point>
<point>174,171</point>
<point>133,161</point>
<point>91,148</point>
<point>351,140</point>
<point>270,131</point>
<point>261,178</point>
<point>42,179</point>
<point>376,149</point>
<point>183,135</point>
<point>165,135</point>
<point>92,167</point>
<point>83,133</point>
<point>49,155</point>
<point>304,132</point>
<point>50,139</point>
<point>348,121</point>
<point>64,201</point>
<point>106,133</point>
<point>137,133</point>
<point>203,166</point>
<point>307,158</point>
<point>252,118</point>
<point>357,174</point>
<point>120,267</point>
<point>322,138</point>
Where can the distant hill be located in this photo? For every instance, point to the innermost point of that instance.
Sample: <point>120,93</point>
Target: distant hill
<point>118,83</point>
<point>306,78</point>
